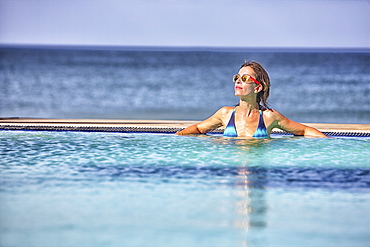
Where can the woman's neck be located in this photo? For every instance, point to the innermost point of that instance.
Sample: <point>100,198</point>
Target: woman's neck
<point>248,106</point>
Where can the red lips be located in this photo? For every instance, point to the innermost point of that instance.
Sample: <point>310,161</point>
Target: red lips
<point>237,87</point>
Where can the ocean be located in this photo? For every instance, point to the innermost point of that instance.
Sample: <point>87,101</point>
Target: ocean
<point>178,84</point>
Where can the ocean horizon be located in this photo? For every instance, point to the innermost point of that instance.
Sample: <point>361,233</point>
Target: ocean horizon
<point>185,48</point>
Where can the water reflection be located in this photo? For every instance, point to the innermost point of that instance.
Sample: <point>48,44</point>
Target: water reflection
<point>250,183</point>
<point>242,142</point>
<point>251,208</point>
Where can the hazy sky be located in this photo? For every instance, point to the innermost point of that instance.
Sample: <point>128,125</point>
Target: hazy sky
<point>210,23</point>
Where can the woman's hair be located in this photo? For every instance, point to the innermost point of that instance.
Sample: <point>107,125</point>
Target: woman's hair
<point>263,78</point>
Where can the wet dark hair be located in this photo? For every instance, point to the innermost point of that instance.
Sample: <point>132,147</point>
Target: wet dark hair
<point>261,76</point>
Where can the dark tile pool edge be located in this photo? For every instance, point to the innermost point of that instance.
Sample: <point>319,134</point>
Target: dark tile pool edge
<point>131,129</point>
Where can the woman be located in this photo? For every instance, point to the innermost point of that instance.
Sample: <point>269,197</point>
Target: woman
<point>251,117</point>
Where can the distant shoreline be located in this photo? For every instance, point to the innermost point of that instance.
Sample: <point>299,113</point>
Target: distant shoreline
<point>183,48</point>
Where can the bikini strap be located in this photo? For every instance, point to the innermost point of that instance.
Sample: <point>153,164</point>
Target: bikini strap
<point>261,122</point>
<point>230,129</point>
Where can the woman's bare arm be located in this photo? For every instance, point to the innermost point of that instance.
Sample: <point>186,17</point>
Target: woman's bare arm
<point>295,128</point>
<point>193,129</point>
<point>213,122</point>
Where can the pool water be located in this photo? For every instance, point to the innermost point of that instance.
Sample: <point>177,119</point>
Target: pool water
<point>122,189</point>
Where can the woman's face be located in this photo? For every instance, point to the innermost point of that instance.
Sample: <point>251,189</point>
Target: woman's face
<point>245,88</point>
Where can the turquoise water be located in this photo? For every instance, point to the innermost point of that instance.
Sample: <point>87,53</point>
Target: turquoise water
<point>118,189</point>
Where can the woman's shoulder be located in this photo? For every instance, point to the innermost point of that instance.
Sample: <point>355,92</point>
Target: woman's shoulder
<point>272,113</point>
<point>226,110</point>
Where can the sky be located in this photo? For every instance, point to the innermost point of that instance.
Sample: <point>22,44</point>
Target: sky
<point>187,23</point>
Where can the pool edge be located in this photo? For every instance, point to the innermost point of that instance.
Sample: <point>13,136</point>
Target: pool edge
<point>153,126</point>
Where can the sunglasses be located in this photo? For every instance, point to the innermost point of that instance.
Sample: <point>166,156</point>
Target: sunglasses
<point>244,78</point>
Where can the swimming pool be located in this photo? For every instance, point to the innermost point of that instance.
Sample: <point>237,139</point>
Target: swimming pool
<point>144,189</point>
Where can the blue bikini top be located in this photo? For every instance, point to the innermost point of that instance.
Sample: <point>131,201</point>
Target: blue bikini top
<point>230,130</point>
